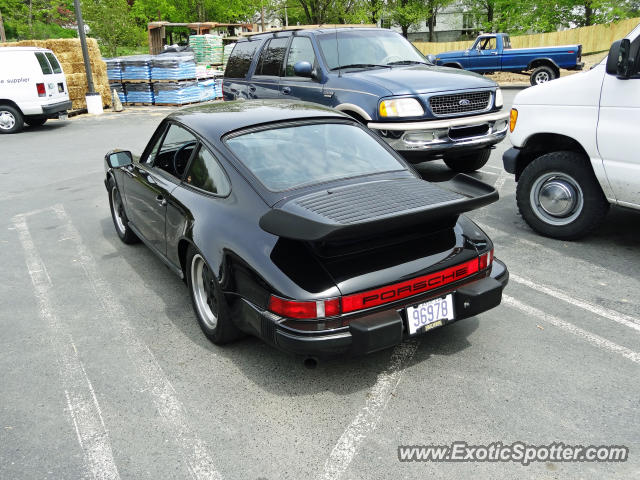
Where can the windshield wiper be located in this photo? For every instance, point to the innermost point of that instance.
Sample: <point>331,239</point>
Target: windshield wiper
<point>360,65</point>
<point>409,62</point>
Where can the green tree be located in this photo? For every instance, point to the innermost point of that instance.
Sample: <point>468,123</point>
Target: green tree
<point>406,13</point>
<point>112,23</point>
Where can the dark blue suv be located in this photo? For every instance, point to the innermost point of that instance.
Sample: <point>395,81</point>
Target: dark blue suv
<point>423,111</point>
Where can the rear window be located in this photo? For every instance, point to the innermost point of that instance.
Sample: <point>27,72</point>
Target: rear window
<point>53,61</point>
<point>44,64</point>
<point>271,58</point>
<point>294,156</point>
<point>240,59</point>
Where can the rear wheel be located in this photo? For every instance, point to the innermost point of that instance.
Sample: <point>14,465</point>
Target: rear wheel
<point>119,216</point>
<point>542,74</point>
<point>559,196</point>
<point>469,162</point>
<point>208,301</point>
<point>11,120</point>
<point>35,122</point>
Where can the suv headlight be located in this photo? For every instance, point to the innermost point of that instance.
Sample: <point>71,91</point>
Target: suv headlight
<point>499,100</point>
<point>401,107</point>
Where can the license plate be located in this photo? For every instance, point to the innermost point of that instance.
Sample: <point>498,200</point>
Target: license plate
<point>428,315</point>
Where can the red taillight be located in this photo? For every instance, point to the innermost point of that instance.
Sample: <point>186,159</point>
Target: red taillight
<point>485,260</point>
<point>571,51</point>
<point>296,309</point>
<point>41,90</point>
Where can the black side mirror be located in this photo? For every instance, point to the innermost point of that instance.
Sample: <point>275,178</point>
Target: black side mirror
<point>618,61</point>
<point>303,69</point>
<point>120,158</point>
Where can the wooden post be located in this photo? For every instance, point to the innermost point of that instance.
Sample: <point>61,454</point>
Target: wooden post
<point>3,37</point>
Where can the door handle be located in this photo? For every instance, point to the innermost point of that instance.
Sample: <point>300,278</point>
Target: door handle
<point>286,90</point>
<point>161,200</point>
<point>252,88</point>
<point>494,53</point>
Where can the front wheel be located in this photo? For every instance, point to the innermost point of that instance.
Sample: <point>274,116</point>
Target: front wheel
<point>542,75</point>
<point>469,162</point>
<point>559,196</point>
<point>119,216</point>
<point>208,300</point>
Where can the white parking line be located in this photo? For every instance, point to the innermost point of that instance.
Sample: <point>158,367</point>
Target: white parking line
<point>164,396</point>
<point>81,399</point>
<point>618,317</point>
<point>368,418</point>
<point>592,338</point>
<point>499,183</point>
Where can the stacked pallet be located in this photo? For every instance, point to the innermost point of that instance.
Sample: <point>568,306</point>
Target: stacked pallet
<point>69,54</point>
<point>139,93</point>
<point>207,48</point>
<point>114,69</point>
<point>173,67</point>
<point>176,93</point>
<point>136,67</point>
<point>226,54</point>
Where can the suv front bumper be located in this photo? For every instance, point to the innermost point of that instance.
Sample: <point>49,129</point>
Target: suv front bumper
<point>441,136</point>
<point>380,330</point>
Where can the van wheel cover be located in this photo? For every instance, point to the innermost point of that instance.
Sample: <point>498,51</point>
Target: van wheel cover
<point>7,120</point>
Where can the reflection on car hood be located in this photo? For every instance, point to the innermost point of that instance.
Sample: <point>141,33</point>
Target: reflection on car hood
<point>423,79</point>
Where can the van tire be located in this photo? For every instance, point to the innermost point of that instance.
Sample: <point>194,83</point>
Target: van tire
<point>469,162</point>
<point>11,119</point>
<point>568,172</point>
<point>35,122</point>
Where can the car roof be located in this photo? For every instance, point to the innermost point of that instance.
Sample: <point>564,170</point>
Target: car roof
<point>313,31</point>
<point>214,120</point>
<point>24,49</point>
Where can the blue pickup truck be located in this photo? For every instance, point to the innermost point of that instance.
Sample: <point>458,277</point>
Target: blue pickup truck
<point>493,53</point>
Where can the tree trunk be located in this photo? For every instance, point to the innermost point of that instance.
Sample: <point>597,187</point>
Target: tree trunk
<point>3,37</point>
<point>490,15</point>
<point>588,14</point>
<point>431,23</point>
<point>405,30</point>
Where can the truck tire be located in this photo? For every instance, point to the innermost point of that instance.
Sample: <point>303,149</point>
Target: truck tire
<point>542,74</point>
<point>11,119</point>
<point>35,122</point>
<point>559,196</point>
<point>469,162</point>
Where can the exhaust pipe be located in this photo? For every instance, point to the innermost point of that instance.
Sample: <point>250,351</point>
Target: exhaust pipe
<point>310,362</point>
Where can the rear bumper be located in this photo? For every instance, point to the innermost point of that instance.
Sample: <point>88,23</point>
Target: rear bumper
<point>382,329</point>
<point>440,136</point>
<point>53,109</point>
<point>578,66</point>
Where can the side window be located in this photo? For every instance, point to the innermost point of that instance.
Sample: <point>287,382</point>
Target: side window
<point>489,44</point>
<point>44,64</point>
<point>207,174</point>
<point>240,59</point>
<point>301,51</point>
<point>174,153</point>
<point>271,57</point>
<point>53,61</point>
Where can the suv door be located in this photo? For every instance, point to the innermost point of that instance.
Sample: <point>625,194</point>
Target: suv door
<point>54,80</point>
<point>300,88</point>
<point>618,122</point>
<point>265,81</point>
<point>148,184</point>
<point>234,85</point>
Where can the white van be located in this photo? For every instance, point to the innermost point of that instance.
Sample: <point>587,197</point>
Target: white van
<point>576,145</point>
<point>32,88</point>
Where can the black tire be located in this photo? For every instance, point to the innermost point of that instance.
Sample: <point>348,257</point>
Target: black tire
<point>11,119</point>
<point>35,122</point>
<point>542,75</point>
<point>207,298</point>
<point>571,187</point>
<point>119,216</point>
<point>469,162</point>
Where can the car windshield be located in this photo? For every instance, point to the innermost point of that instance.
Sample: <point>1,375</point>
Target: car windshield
<point>288,157</point>
<point>368,49</point>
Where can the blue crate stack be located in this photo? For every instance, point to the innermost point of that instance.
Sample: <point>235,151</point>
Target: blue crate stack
<point>114,69</point>
<point>139,93</point>
<point>136,67</point>
<point>173,67</point>
<point>207,90</point>
<point>177,93</point>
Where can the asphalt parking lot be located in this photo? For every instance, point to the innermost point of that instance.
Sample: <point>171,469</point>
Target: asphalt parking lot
<point>105,373</point>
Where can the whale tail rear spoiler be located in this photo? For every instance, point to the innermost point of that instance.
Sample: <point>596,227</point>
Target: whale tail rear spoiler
<point>375,207</point>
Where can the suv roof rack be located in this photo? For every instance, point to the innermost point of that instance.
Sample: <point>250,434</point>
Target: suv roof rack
<point>293,28</point>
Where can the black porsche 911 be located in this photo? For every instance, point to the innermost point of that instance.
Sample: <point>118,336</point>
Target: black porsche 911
<point>295,223</point>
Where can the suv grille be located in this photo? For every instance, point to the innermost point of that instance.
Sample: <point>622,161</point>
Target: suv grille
<point>459,103</point>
